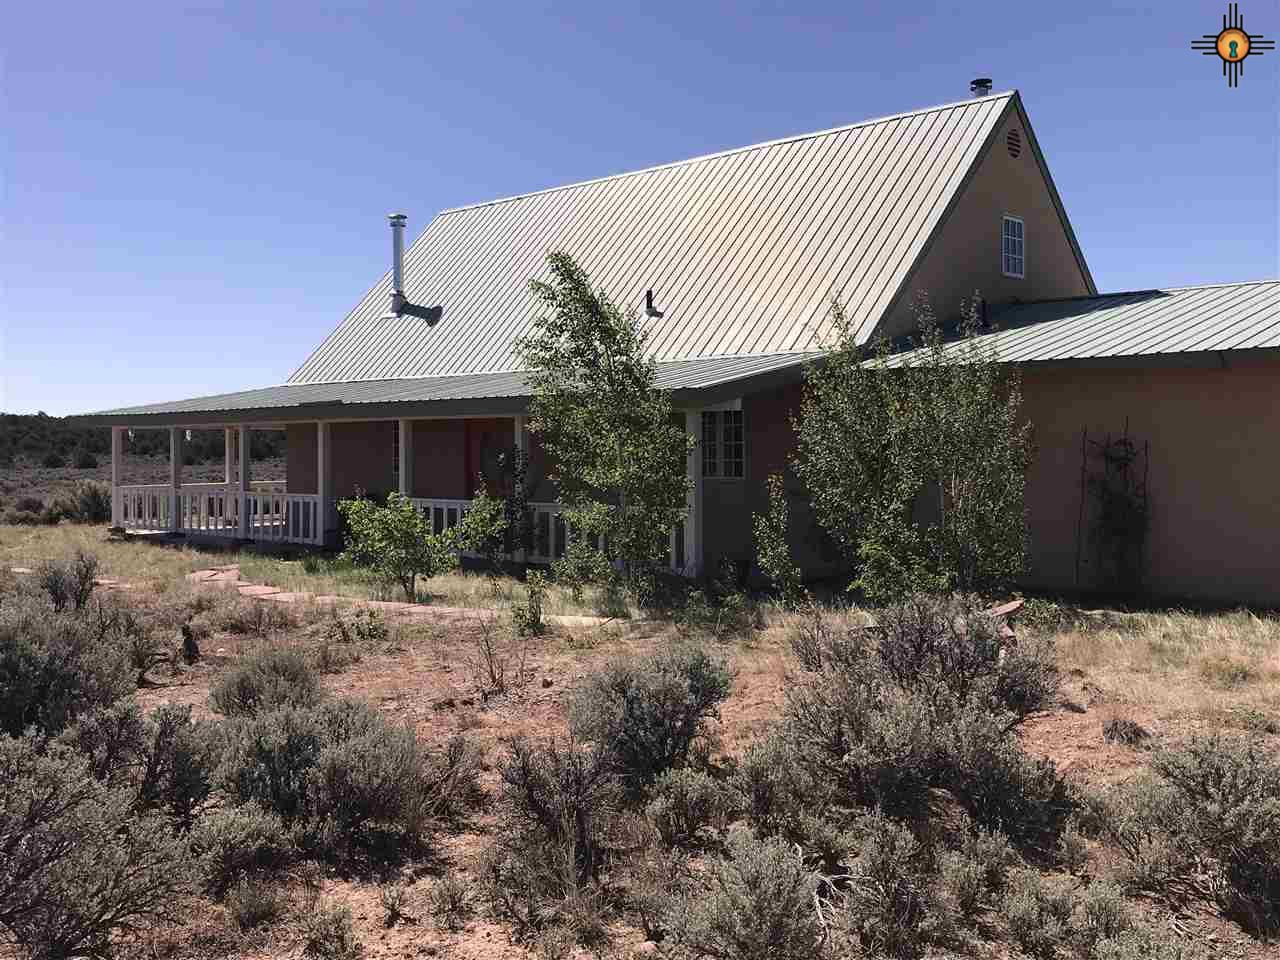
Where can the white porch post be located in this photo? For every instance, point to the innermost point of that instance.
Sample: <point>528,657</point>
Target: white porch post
<point>522,449</point>
<point>228,455</point>
<point>406,457</point>
<point>175,479</point>
<point>693,525</point>
<point>244,482</point>
<point>117,469</point>
<point>322,478</point>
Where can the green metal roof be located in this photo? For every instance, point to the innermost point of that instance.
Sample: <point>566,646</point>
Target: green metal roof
<point>470,393</point>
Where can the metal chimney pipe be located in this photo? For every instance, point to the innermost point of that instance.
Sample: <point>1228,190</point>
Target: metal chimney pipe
<point>397,254</point>
<point>980,86</point>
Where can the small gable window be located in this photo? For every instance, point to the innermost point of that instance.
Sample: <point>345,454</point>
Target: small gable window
<point>1012,248</point>
<point>724,453</point>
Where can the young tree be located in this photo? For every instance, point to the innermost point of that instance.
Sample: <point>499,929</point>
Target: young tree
<point>916,462</point>
<point>619,459</point>
<point>396,541</point>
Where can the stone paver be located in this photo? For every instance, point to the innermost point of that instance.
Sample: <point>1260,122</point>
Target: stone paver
<point>228,577</point>
<point>257,590</point>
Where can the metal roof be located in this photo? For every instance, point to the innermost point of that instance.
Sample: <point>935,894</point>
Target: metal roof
<point>1141,323</point>
<point>743,249</point>
<point>700,374</point>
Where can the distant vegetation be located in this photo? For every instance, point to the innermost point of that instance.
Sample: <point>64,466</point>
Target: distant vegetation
<point>42,440</point>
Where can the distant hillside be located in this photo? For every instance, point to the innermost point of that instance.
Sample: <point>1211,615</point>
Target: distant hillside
<point>53,442</point>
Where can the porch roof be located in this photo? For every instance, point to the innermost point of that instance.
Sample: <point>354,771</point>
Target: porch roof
<point>702,380</point>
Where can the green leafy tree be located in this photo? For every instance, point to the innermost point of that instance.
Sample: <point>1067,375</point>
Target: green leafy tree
<point>618,456</point>
<point>916,462</point>
<point>773,545</point>
<point>396,542</point>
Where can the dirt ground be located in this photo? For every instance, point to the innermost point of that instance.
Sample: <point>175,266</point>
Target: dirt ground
<point>423,675</point>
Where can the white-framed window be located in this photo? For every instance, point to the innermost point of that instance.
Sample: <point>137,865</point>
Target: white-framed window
<point>1013,247</point>
<point>724,444</point>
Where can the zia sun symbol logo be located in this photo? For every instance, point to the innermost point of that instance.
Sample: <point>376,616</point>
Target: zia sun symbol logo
<point>1232,45</point>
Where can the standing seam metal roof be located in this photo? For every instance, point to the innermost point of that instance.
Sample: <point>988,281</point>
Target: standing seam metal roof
<point>743,249</point>
<point>1141,323</point>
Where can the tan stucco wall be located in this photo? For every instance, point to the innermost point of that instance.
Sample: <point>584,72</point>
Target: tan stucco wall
<point>965,254</point>
<point>1214,477</point>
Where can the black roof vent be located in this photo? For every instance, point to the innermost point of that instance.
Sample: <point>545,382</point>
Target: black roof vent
<point>980,86</point>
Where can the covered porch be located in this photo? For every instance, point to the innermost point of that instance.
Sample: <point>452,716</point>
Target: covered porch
<point>435,461</point>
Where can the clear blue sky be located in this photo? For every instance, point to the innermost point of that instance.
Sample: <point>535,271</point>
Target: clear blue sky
<point>194,195</point>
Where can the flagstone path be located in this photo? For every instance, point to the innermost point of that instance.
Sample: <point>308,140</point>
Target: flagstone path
<point>228,578</point>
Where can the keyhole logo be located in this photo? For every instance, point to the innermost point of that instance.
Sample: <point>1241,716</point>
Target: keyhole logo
<point>1232,44</point>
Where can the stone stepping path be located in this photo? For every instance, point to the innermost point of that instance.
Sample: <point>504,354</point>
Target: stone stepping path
<point>228,578</point>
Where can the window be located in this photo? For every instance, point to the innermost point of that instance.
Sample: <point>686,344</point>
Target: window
<point>723,444</point>
<point>395,449</point>
<point>1012,247</point>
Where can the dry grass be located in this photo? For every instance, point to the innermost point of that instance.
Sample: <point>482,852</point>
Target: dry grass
<point>157,566</point>
<point>1179,665</point>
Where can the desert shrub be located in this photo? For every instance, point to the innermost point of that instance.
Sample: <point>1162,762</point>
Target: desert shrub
<point>70,584</point>
<point>1103,914</point>
<point>686,802</point>
<point>394,899</point>
<point>327,934</point>
<point>884,716</point>
<point>1037,914</point>
<point>1144,943</point>
<point>267,678</point>
<point>773,545</point>
<point>165,759</point>
<point>87,502</point>
<point>976,870</point>
<point>29,505</point>
<point>237,842</point>
<point>76,864</point>
<point>1124,730</point>
<point>647,712</point>
<point>449,903</point>
<point>254,903</point>
<point>85,460</point>
<point>565,794</point>
<point>497,662</point>
<point>53,460</point>
<point>1226,793</point>
<point>357,625</point>
<point>23,518</point>
<point>54,667</point>
<point>1073,851</point>
<point>342,774</point>
<point>999,784</point>
<point>395,541</point>
<point>756,904</point>
<point>527,616</point>
<point>1209,811</point>
<point>929,641</point>
<point>891,908</point>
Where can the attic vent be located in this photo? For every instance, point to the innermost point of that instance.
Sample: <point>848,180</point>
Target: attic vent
<point>1014,142</point>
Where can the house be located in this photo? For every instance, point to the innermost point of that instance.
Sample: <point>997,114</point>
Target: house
<point>730,261</point>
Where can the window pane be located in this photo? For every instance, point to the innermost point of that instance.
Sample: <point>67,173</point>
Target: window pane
<point>733,450</point>
<point>710,446</point>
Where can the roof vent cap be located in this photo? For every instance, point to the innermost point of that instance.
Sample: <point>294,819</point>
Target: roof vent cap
<point>980,86</point>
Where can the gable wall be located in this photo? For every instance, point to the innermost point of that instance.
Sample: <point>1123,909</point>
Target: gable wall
<point>965,254</point>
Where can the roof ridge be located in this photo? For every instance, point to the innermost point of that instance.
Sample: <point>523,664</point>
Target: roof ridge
<point>730,152</point>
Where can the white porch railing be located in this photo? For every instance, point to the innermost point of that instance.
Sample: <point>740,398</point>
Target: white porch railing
<point>146,506</point>
<point>550,531</point>
<point>213,509</point>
